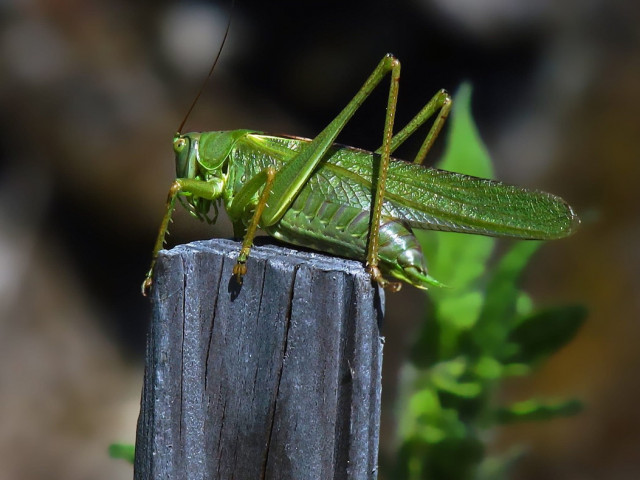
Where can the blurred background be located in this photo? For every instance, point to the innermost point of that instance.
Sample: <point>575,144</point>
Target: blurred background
<point>92,92</point>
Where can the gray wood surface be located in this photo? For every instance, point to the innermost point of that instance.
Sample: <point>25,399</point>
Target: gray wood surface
<point>276,379</point>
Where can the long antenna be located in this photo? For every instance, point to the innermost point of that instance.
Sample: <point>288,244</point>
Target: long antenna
<point>195,100</point>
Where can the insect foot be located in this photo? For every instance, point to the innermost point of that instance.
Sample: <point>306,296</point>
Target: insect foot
<point>239,270</point>
<point>376,276</point>
<point>146,285</point>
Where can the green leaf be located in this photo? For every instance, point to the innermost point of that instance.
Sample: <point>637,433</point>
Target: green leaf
<point>123,451</point>
<point>534,410</point>
<point>424,402</point>
<point>488,368</point>
<point>503,293</point>
<point>460,309</point>
<point>545,332</point>
<point>524,304</point>
<point>466,153</point>
<point>447,376</point>
<point>425,420</point>
<point>502,298</point>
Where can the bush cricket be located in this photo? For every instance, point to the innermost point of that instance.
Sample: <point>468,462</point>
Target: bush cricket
<point>346,201</point>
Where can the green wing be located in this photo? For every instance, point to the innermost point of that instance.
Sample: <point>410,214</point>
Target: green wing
<point>432,199</point>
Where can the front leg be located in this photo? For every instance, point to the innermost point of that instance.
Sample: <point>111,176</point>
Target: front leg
<point>210,190</point>
<point>174,191</point>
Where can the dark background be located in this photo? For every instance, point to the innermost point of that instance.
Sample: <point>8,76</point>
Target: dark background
<point>92,92</point>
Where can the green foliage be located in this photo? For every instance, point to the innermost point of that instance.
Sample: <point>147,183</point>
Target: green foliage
<point>123,451</point>
<point>480,330</point>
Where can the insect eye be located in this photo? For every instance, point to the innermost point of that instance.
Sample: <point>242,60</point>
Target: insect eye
<point>179,144</point>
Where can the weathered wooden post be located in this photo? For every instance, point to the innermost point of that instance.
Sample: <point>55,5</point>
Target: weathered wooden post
<point>276,379</point>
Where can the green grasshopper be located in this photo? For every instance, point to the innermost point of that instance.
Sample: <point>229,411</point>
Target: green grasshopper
<point>351,202</point>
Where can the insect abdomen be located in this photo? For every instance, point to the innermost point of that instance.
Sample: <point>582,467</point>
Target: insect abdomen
<point>343,230</point>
